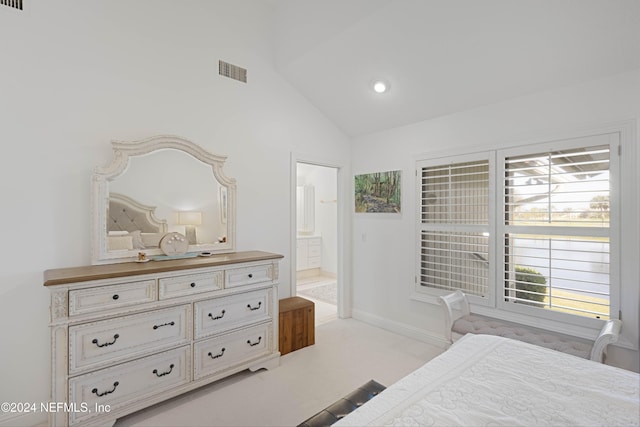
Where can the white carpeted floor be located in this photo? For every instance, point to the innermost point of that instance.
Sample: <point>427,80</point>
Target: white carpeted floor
<point>347,354</point>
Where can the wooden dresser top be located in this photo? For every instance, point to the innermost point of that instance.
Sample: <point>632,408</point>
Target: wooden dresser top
<point>61,276</point>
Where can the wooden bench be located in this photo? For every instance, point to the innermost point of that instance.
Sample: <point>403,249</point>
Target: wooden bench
<point>459,321</point>
<point>296,327</point>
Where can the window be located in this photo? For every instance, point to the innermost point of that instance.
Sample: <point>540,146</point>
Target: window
<point>554,227</point>
<point>454,226</point>
<point>555,230</point>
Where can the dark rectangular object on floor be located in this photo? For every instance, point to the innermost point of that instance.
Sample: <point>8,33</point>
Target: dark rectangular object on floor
<point>364,393</point>
<point>296,324</point>
<point>344,406</point>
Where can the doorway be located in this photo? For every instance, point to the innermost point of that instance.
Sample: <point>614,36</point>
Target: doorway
<point>316,269</point>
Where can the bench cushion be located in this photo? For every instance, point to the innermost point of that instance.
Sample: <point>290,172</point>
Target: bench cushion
<point>475,324</point>
<point>344,406</point>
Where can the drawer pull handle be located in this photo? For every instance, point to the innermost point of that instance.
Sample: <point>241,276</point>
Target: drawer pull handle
<point>193,284</point>
<point>164,324</point>
<point>155,371</point>
<point>104,393</point>
<point>254,308</point>
<point>250,275</point>
<point>115,338</point>
<point>254,343</point>
<point>217,317</point>
<point>116,296</point>
<point>218,355</point>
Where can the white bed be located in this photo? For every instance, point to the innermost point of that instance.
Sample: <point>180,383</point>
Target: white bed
<point>486,380</point>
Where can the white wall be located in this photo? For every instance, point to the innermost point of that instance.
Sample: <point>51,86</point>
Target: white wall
<point>76,75</point>
<point>384,249</point>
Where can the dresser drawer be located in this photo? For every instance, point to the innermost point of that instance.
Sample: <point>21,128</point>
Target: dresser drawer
<point>216,354</point>
<point>248,275</point>
<point>112,296</point>
<point>222,314</point>
<point>128,382</point>
<point>96,344</point>
<point>172,287</point>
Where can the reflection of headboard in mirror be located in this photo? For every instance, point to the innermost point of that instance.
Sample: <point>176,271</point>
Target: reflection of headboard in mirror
<point>174,175</point>
<point>132,225</point>
<point>125,214</point>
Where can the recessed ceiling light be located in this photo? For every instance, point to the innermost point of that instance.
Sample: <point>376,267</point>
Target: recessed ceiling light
<point>380,86</point>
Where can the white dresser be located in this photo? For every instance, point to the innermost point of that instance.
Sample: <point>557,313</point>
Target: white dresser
<point>126,336</point>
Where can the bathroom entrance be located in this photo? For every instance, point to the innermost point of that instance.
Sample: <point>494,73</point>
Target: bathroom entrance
<point>316,270</point>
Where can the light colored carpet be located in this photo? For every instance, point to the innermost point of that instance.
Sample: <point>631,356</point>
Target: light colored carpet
<point>347,354</point>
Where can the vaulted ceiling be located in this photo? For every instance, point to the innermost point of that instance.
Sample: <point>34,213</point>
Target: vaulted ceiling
<point>444,56</point>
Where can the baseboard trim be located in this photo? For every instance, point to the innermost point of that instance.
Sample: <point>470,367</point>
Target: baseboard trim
<point>400,328</point>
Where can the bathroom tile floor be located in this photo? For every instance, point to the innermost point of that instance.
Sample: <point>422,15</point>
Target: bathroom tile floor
<point>322,291</point>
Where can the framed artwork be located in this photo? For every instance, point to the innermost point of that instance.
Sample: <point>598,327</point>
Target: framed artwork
<point>378,192</point>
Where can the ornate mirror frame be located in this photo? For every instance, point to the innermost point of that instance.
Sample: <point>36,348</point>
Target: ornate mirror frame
<point>123,151</point>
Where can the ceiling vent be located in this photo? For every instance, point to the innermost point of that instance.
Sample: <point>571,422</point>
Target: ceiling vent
<point>232,71</point>
<point>14,4</point>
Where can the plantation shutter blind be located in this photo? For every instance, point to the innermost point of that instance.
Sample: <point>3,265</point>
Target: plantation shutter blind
<point>454,225</point>
<point>556,230</point>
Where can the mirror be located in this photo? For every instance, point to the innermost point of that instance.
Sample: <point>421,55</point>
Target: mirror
<point>305,209</point>
<point>157,186</point>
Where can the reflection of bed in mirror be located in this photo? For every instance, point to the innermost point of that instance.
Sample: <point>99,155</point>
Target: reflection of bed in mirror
<point>132,225</point>
<point>176,176</point>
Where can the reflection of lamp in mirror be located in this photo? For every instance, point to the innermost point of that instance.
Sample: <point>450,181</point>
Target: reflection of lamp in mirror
<point>190,220</point>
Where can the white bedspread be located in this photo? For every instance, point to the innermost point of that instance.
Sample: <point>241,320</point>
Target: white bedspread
<point>485,380</point>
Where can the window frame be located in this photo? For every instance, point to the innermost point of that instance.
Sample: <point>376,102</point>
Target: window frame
<point>423,293</point>
<point>493,305</point>
<point>613,141</point>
